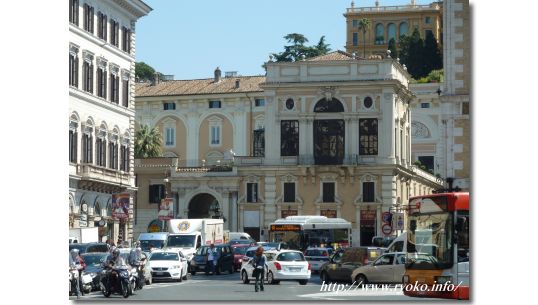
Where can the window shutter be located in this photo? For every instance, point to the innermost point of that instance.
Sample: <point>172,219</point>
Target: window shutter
<point>105,28</point>
<point>91,149</point>
<point>76,71</point>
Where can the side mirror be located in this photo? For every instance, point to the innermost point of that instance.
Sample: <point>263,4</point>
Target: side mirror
<point>245,259</point>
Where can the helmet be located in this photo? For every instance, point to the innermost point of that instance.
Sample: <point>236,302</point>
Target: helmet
<point>115,252</point>
<point>74,253</point>
<point>137,244</point>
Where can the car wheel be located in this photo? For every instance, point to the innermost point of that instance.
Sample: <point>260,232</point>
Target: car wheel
<point>271,278</point>
<point>149,281</point>
<point>244,277</point>
<point>325,277</point>
<point>303,282</point>
<point>361,280</point>
<point>193,272</point>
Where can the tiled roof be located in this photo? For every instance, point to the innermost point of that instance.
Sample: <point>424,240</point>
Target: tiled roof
<point>200,86</point>
<point>336,55</point>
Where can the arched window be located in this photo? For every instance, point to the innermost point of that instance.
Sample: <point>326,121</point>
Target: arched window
<point>333,105</point>
<point>73,138</point>
<point>391,29</point>
<point>97,209</point>
<point>379,33</point>
<point>404,27</point>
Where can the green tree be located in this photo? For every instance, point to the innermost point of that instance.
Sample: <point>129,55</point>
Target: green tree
<point>144,71</point>
<point>393,49</point>
<point>148,142</point>
<point>433,59</point>
<point>364,25</point>
<point>411,54</point>
<point>297,50</point>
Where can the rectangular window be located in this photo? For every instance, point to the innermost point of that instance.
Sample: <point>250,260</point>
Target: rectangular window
<point>355,23</point>
<point>215,135</point>
<point>368,192</point>
<point>424,105</point>
<point>87,148</point>
<point>156,193</point>
<point>465,108</point>
<point>126,40</point>
<point>252,192</point>
<point>355,39</point>
<point>101,83</point>
<point>368,137</point>
<point>73,143</point>
<point>73,70</point>
<point>328,191</point>
<point>114,88</point>
<point>289,138</point>
<point>124,165</point>
<point>114,32</point>
<point>170,136</point>
<point>100,146</point>
<point>87,75</point>
<point>259,102</point>
<point>113,155</point>
<point>428,162</point>
<point>427,20</point>
<point>289,191</point>
<point>259,143</point>
<point>169,106</point>
<point>102,26</point>
<point>214,104</point>
<point>73,11</point>
<point>125,84</point>
<point>88,18</point>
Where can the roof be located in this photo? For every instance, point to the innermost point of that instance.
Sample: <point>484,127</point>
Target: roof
<point>336,55</point>
<point>201,86</point>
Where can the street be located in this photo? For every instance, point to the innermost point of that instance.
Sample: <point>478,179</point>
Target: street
<point>229,287</point>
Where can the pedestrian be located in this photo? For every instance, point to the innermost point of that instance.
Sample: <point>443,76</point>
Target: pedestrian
<point>260,264</point>
<point>211,260</point>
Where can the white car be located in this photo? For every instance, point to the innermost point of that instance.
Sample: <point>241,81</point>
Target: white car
<point>388,268</point>
<point>284,265</point>
<point>168,265</point>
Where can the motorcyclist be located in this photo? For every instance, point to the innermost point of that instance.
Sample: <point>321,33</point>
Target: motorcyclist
<point>135,257</point>
<point>76,262</point>
<point>113,261</point>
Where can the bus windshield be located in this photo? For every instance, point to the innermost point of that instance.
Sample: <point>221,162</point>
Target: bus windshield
<point>301,240</point>
<point>185,241</point>
<point>429,241</point>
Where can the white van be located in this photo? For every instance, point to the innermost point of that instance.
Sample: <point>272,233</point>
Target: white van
<point>156,239</point>
<point>399,244</point>
<point>239,235</point>
<point>424,242</point>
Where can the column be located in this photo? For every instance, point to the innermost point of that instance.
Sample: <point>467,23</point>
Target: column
<point>241,218</point>
<point>354,130</point>
<point>272,132</point>
<point>309,134</point>
<point>270,201</point>
<point>234,216</point>
<point>241,133</point>
<point>226,208</point>
<point>358,221</point>
<point>379,221</point>
<point>303,125</point>
<point>386,131</point>
<point>192,139</point>
<point>347,139</point>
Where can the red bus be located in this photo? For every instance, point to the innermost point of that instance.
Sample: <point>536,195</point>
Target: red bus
<point>437,262</point>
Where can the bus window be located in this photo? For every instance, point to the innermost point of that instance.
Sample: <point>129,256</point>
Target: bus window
<point>462,228</point>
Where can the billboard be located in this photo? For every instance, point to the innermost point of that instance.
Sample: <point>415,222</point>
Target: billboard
<point>166,209</point>
<point>120,206</point>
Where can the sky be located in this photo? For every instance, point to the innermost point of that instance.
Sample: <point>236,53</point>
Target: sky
<point>189,39</point>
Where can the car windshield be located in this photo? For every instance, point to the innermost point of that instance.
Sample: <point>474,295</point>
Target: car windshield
<point>94,259</point>
<point>164,256</point>
<point>185,241</point>
<point>290,257</point>
<point>240,241</point>
<point>317,252</point>
<point>148,244</point>
<point>80,247</point>
<point>240,250</point>
<point>202,250</point>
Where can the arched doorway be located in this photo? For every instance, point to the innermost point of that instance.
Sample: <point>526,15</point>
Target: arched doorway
<point>200,204</point>
<point>329,134</point>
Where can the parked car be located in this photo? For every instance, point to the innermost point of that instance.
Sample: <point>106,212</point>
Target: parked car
<point>317,257</point>
<point>94,265</point>
<point>247,242</point>
<point>225,259</point>
<point>388,268</point>
<point>345,260</point>
<point>239,251</point>
<point>89,247</point>
<point>168,265</point>
<point>284,265</point>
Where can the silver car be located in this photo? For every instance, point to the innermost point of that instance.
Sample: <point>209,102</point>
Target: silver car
<point>388,268</point>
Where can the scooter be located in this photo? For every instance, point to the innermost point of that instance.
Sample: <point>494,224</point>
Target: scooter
<point>74,285</point>
<point>134,281</point>
<point>115,280</point>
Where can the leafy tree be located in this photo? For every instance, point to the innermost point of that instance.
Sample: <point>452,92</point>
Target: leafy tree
<point>144,71</point>
<point>393,49</point>
<point>411,54</point>
<point>432,54</point>
<point>297,50</point>
<point>364,25</point>
<point>148,142</point>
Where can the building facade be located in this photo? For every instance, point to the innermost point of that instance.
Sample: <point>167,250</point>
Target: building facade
<point>329,136</point>
<point>101,112</point>
<point>388,22</point>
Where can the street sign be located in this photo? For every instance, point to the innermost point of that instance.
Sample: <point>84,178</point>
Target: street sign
<point>386,229</point>
<point>398,221</point>
<point>386,217</point>
<point>83,222</point>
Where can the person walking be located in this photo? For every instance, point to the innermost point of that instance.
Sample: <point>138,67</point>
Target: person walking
<point>211,260</point>
<point>260,264</point>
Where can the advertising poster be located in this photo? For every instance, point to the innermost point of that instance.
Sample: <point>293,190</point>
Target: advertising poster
<point>120,206</point>
<point>166,209</point>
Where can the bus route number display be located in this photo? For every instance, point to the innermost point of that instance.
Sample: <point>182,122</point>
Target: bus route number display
<point>285,228</point>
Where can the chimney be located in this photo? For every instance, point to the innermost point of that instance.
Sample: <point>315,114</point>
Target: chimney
<point>217,75</point>
<point>156,78</point>
<point>237,83</point>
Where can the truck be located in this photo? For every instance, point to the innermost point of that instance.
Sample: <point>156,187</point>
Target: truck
<point>187,235</point>
<point>84,235</point>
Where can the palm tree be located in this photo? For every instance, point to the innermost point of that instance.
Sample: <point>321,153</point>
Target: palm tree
<point>364,25</point>
<point>148,142</point>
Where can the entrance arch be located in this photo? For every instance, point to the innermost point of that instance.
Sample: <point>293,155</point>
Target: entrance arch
<point>199,205</point>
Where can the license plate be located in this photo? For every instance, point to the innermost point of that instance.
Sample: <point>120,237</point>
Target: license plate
<point>159,273</point>
<point>295,269</point>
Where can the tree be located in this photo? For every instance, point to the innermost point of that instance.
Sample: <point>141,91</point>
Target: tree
<point>364,25</point>
<point>432,54</point>
<point>298,50</point>
<point>393,49</point>
<point>411,54</point>
<point>148,142</point>
<point>144,71</point>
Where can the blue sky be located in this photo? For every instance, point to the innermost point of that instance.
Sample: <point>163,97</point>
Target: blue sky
<point>189,39</point>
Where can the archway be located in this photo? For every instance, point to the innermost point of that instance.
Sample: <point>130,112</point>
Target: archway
<point>200,204</point>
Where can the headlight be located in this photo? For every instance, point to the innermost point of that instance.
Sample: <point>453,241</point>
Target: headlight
<point>176,267</point>
<point>406,279</point>
<point>442,279</point>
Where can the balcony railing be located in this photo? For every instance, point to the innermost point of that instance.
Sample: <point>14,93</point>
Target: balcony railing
<point>424,174</point>
<point>94,172</point>
<point>394,8</point>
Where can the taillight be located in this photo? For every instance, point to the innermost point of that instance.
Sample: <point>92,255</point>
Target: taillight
<point>277,266</point>
<point>309,267</point>
<point>325,254</point>
<point>365,261</point>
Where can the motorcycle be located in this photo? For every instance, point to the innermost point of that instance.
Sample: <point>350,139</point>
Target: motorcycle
<point>74,284</point>
<point>134,280</point>
<point>115,280</point>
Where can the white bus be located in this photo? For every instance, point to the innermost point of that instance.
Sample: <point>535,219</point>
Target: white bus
<point>301,232</point>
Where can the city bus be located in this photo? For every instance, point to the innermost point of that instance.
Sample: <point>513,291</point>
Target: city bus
<point>301,232</point>
<point>437,265</point>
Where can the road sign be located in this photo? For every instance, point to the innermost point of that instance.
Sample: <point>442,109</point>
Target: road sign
<point>386,217</point>
<point>398,221</point>
<point>83,222</point>
<point>386,229</point>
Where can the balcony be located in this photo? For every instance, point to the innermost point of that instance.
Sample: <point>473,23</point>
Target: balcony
<point>102,174</point>
<point>394,8</point>
<point>424,174</point>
